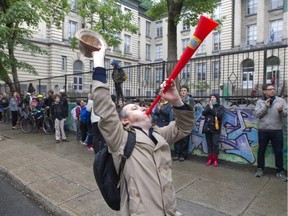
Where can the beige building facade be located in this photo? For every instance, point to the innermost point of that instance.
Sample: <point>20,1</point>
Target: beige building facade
<point>231,56</point>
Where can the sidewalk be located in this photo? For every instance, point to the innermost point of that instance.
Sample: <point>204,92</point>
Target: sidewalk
<point>60,177</point>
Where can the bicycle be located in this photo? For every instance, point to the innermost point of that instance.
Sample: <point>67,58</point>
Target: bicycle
<point>35,120</point>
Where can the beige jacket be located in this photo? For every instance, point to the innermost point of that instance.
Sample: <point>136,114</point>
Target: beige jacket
<point>148,171</point>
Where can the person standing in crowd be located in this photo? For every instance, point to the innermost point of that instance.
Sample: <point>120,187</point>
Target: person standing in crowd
<point>271,112</point>
<point>213,113</point>
<point>117,76</point>
<point>6,111</point>
<point>149,189</point>
<point>58,113</point>
<point>64,100</point>
<point>181,146</point>
<point>1,107</point>
<point>31,89</point>
<point>162,113</point>
<point>97,138</point>
<point>14,107</point>
<point>49,101</point>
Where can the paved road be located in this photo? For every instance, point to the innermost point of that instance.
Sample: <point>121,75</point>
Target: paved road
<point>14,203</point>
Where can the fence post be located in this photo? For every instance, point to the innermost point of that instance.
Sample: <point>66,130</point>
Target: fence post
<point>65,88</point>
<point>265,65</point>
<point>163,70</point>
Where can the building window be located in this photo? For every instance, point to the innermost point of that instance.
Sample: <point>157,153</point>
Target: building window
<point>251,35</point>
<point>91,66</point>
<point>185,43</point>
<point>202,48</point>
<point>185,27</point>
<point>117,37</point>
<point>139,50</point>
<point>159,29</point>
<point>276,31</point>
<point>148,29</point>
<point>72,29</point>
<point>216,41</point>
<point>159,51</point>
<point>107,63</point>
<point>64,63</point>
<point>127,43</point>
<point>276,4</point>
<point>78,79</point>
<point>201,71</point>
<point>216,70</point>
<point>251,7</point>
<point>217,13</point>
<point>148,52</point>
<point>127,10</point>
<point>127,68</point>
<point>147,74</point>
<point>247,73</point>
<point>158,75</point>
<point>73,5</point>
<point>185,73</point>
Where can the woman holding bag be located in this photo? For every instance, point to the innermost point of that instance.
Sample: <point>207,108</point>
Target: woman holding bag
<point>213,113</point>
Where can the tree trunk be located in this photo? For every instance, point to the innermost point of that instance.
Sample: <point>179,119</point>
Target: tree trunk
<point>174,9</point>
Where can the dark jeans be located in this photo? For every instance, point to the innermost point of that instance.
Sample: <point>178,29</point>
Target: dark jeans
<point>6,115</point>
<point>14,118</point>
<point>119,91</point>
<point>181,147</point>
<point>97,138</point>
<point>276,138</point>
<point>84,127</point>
<point>212,140</point>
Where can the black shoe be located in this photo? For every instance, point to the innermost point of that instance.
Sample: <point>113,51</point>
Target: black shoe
<point>57,141</point>
<point>65,140</point>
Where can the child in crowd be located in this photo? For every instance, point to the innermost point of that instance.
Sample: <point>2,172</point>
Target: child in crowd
<point>58,115</point>
<point>76,123</point>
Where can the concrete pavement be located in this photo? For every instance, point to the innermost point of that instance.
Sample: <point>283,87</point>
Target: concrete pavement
<point>60,177</point>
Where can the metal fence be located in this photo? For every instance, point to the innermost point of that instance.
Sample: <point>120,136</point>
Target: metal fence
<point>236,76</point>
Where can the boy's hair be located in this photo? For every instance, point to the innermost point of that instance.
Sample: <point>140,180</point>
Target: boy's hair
<point>51,91</point>
<point>184,86</point>
<point>78,102</point>
<point>56,95</point>
<point>265,86</point>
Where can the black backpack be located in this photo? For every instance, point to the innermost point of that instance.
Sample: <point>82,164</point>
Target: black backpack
<point>105,173</point>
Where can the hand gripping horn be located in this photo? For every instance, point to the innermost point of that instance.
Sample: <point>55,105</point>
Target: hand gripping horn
<point>204,27</point>
<point>89,42</point>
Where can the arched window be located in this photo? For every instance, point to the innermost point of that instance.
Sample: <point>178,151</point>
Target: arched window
<point>247,73</point>
<point>78,76</point>
<point>272,70</point>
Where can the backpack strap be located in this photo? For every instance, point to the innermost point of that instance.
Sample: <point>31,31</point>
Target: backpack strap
<point>131,142</point>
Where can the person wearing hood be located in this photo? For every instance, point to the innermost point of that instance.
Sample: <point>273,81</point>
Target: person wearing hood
<point>271,112</point>
<point>117,76</point>
<point>213,113</point>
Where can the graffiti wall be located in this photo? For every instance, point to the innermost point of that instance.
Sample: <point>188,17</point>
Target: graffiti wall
<point>239,137</point>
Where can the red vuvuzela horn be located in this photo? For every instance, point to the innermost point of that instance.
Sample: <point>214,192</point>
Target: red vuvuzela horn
<point>204,27</point>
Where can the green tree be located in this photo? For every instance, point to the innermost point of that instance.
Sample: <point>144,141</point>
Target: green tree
<point>176,10</point>
<point>18,20</point>
<point>106,18</point>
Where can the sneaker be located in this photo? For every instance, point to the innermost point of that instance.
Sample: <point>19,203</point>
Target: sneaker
<point>181,159</point>
<point>57,141</point>
<point>281,175</point>
<point>175,158</point>
<point>65,140</point>
<point>83,143</point>
<point>259,172</point>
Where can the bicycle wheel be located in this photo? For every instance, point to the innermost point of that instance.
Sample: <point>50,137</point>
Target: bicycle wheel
<point>27,125</point>
<point>48,126</point>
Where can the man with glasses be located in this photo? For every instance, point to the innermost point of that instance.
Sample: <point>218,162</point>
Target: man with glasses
<point>271,112</point>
